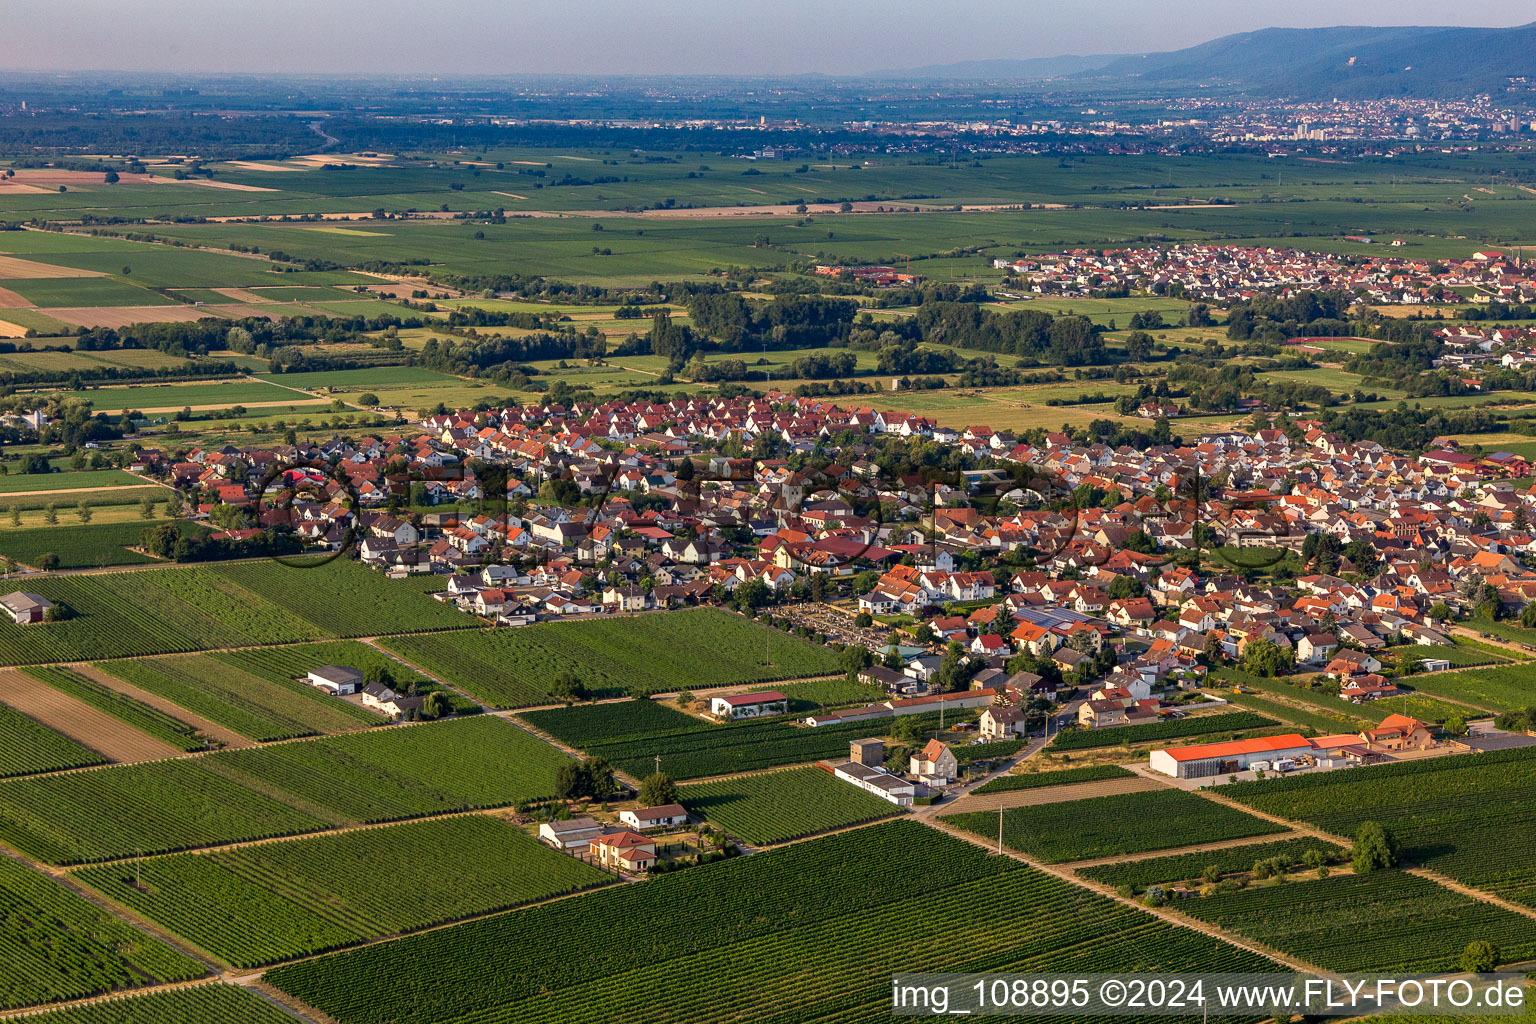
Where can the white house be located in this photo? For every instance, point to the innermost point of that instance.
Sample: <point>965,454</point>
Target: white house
<point>664,816</point>
<point>24,608</point>
<point>749,705</point>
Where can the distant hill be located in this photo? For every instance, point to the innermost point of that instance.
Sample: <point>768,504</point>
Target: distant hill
<point>987,70</point>
<point>1355,62</point>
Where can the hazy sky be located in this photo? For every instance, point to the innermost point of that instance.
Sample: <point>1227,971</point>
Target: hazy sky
<point>651,36</point>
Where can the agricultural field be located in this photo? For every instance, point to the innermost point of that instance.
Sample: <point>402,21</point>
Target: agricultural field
<point>1064,777</point>
<point>1297,714</point>
<point>1108,826</point>
<point>811,957</point>
<point>1386,922</point>
<point>776,807</point>
<point>286,664</point>
<point>133,713</point>
<point>631,734</point>
<point>1227,722</point>
<point>650,653</point>
<point>286,789</point>
<point>79,546</point>
<point>85,479</point>
<point>258,706</point>
<point>28,747</point>
<point>1187,867</point>
<point>374,379</point>
<point>56,945</point>
<point>1501,688</point>
<point>241,604</point>
<point>1465,815</point>
<point>224,1004</point>
<point>828,693</point>
<point>257,905</point>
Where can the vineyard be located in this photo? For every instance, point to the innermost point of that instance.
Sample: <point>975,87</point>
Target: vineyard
<point>262,707</point>
<point>79,547</point>
<point>1130,735</point>
<point>828,693</point>
<point>818,927</point>
<point>779,806</point>
<point>285,664</point>
<point>1108,826</point>
<point>1185,867</point>
<point>286,789</point>
<point>58,946</point>
<point>257,905</point>
<point>689,649</point>
<point>1035,780</point>
<point>1383,922</point>
<point>124,708</point>
<point>1469,816</point>
<point>631,734</point>
<point>28,747</point>
<point>195,1004</point>
<point>1501,688</point>
<point>167,611</point>
<point>966,753</point>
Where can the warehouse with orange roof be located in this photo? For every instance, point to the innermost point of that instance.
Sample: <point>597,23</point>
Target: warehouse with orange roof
<point>1204,760</point>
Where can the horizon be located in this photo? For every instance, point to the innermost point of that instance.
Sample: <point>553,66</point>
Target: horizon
<point>692,39</point>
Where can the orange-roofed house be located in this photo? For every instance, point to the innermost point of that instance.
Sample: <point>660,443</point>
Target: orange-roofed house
<point>1399,732</point>
<point>1204,760</point>
<point>624,851</point>
<point>935,764</point>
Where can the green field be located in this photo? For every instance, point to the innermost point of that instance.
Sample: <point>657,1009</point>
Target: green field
<point>779,806</point>
<point>259,706</point>
<point>631,734</point>
<point>79,546</point>
<point>1227,722</point>
<point>1465,815</point>
<point>256,905</point>
<point>134,713</point>
<point>112,399</point>
<point>1108,826</point>
<point>377,378</point>
<point>1383,923</point>
<point>84,291</point>
<point>28,747</point>
<point>285,789</point>
<point>831,958</point>
<point>1064,777</point>
<point>224,1004</point>
<point>59,946</point>
<point>1502,688</point>
<point>650,653</point>
<point>1187,867</point>
<point>15,483</point>
<point>163,611</point>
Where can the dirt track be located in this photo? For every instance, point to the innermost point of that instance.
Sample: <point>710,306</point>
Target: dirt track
<point>1050,794</point>
<point>212,730</point>
<point>79,721</point>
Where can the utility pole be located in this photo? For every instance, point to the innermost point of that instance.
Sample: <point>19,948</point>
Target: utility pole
<point>658,764</point>
<point>999,830</point>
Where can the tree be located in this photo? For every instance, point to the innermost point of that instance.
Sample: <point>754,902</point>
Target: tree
<point>51,514</point>
<point>379,672</point>
<point>83,510</point>
<point>685,470</point>
<point>1375,848</point>
<point>15,515</point>
<point>48,561</point>
<point>1440,610</point>
<point>147,508</point>
<point>601,784</point>
<point>368,398</point>
<point>570,782</point>
<point>567,686</point>
<point>436,705</point>
<point>1266,658</point>
<point>863,620</point>
<point>656,789</point>
<point>111,178</point>
<point>1479,957</point>
<point>854,658</point>
<point>1455,726</point>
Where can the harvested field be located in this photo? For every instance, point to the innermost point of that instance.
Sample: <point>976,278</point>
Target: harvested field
<point>207,727</point>
<point>10,330</point>
<point>11,187</point>
<point>10,300</point>
<point>242,295</point>
<point>1053,794</point>
<point>252,165</point>
<point>79,721</point>
<point>122,316</point>
<point>14,268</point>
<point>55,176</point>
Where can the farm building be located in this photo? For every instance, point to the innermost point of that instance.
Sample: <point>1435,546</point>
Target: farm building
<point>24,608</point>
<point>868,752</point>
<point>574,834</point>
<point>666,815</point>
<point>879,782</point>
<point>749,705</point>
<point>1207,759</point>
<point>337,680</point>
